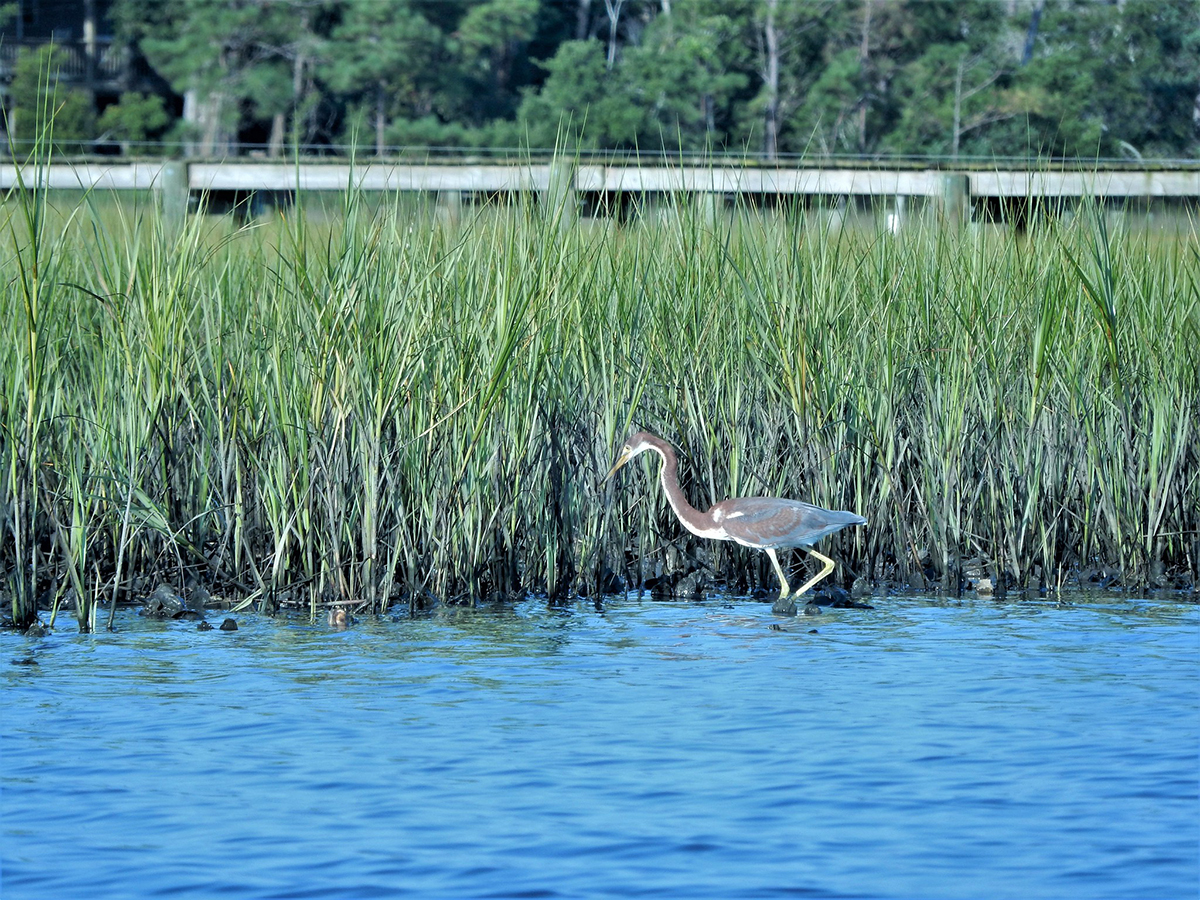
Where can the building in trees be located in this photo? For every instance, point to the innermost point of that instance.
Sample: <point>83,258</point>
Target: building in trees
<point>66,49</point>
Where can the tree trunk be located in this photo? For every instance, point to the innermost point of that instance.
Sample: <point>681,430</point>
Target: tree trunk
<point>957,135</point>
<point>583,19</point>
<point>771,39</point>
<point>299,131</point>
<point>864,44</point>
<point>215,141</point>
<point>1196,112</point>
<point>89,44</point>
<point>380,123</point>
<point>189,115</point>
<point>205,114</point>
<point>1031,35</point>
<point>275,142</point>
<point>613,8</point>
<point>864,54</point>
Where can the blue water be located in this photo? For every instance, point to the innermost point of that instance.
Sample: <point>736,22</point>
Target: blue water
<point>682,750</point>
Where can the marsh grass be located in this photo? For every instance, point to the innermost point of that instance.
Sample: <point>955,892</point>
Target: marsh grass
<point>385,405</point>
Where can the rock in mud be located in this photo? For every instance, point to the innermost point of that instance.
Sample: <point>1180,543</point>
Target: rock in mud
<point>691,586</point>
<point>197,599</point>
<point>834,595</point>
<point>849,604</point>
<point>784,606</point>
<point>1102,576</point>
<point>974,568</point>
<point>164,603</point>
<point>610,582</point>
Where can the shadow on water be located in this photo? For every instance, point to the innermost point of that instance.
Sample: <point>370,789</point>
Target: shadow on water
<point>931,748</point>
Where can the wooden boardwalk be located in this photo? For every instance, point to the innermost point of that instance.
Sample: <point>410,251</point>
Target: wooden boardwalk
<point>959,186</point>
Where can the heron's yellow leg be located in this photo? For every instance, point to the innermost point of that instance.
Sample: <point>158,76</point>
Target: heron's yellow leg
<point>807,586</point>
<point>783,584</point>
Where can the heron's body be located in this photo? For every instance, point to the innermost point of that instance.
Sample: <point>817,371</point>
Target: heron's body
<point>763,523</point>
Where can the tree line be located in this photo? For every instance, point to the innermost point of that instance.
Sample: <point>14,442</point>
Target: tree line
<point>766,78</point>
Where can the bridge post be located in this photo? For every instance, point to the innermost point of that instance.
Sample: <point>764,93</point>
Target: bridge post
<point>956,198</point>
<point>561,197</point>
<point>172,187</point>
<point>449,205</point>
<point>894,220</point>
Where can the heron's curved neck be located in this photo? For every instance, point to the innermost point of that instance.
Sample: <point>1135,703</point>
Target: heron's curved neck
<point>694,520</point>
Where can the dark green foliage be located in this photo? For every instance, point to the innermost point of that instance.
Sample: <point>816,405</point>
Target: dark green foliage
<point>976,78</point>
<point>574,91</point>
<point>134,119</point>
<point>1113,79</point>
<point>387,58</point>
<point>38,93</point>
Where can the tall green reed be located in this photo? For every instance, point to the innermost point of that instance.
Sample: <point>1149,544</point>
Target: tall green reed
<point>382,405</point>
<point>29,400</point>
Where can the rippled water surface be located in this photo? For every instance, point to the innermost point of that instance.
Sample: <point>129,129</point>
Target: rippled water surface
<point>917,749</point>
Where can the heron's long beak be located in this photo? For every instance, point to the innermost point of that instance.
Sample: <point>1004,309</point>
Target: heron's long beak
<point>621,460</point>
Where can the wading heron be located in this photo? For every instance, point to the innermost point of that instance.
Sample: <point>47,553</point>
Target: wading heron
<point>764,523</point>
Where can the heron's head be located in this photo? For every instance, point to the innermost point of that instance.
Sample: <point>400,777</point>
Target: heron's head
<point>637,443</point>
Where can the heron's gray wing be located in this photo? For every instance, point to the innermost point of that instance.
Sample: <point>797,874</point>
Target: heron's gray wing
<point>776,522</point>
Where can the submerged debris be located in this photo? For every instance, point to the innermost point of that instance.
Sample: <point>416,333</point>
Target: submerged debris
<point>198,598</point>
<point>784,606</point>
<point>164,603</point>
